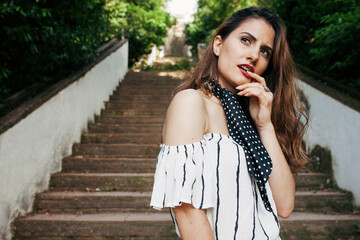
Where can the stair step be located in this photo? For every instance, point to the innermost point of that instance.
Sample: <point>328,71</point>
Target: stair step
<point>301,226</point>
<point>138,81</point>
<point>96,226</point>
<point>99,202</point>
<point>133,182</point>
<point>155,128</point>
<point>150,82</point>
<point>323,202</point>
<point>162,88</point>
<point>117,138</point>
<point>130,119</point>
<point>104,181</point>
<point>81,164</point>
<point>158,74</point>
<point>162,81</point>
<point>92,202</point>
<point>165,88</point>
<point>157,105</point>
<point>159,226</point>
<point>312,181</point>
<point>116,150</point>
<point>135,101</point>
<point>140,98</point>
<point>153,90</point>
<point>132,112</point>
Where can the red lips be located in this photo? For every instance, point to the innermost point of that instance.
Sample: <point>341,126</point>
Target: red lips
<point>244,68</point>
<point>247,66</point>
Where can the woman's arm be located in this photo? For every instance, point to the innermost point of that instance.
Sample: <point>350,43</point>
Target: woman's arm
<point>186,123</point>
<point>281,179</point>
<point>193,223</point>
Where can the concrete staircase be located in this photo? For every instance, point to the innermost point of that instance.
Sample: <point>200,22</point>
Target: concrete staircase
<point>104,189</point>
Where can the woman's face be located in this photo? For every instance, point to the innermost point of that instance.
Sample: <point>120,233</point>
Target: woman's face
<point>247,48</point>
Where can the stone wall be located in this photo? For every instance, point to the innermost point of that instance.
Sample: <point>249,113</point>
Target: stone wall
<point>32,149</point>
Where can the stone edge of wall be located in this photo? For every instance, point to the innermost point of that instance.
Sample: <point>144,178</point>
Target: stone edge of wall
<point>308,76</point>
<point>21,112</point>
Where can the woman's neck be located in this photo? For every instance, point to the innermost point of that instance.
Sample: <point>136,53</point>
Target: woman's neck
<point>225,84</point>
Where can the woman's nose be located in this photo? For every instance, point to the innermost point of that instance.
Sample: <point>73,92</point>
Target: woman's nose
<point>253,55</point>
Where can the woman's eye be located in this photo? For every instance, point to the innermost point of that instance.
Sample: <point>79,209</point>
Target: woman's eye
<point>246,40</point>
<point>265,52</point>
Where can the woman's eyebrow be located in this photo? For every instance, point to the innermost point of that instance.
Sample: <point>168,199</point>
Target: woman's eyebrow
<point>268,48</point>
<point>250,35</point>
<point>254,38</point>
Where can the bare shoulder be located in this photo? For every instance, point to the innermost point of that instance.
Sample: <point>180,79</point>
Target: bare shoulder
<point>185,119</point>
<point>187,97</point>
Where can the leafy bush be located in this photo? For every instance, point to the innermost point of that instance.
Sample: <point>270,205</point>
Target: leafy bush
<point>144,23</point>
<point>336,47</point>
<point>210,14</point>
<point>43,41</point>
<point>324,34</point>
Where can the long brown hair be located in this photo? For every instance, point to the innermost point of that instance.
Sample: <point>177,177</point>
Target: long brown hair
<point>289,117</point>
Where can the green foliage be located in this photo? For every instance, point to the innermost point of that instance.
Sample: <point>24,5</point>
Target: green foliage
<point>144,23</point>
<point>325,34</point>
<point>336,46</point>
<point>210,14</point>
<point>46,40</point>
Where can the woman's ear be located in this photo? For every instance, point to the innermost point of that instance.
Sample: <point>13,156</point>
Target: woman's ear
<point>217,45</point>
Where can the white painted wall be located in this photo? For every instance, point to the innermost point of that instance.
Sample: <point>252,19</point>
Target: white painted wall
<point>337,127</point>
<point>33,149</point>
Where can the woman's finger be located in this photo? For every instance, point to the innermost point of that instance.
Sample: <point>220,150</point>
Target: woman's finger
<point>259,92</point>
<point>249,85</point>
<point>257,78</point>
<point>252,91</point>
<point>253,85</point>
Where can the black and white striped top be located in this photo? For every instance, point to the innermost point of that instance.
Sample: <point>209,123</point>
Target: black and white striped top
<point>212,174</point>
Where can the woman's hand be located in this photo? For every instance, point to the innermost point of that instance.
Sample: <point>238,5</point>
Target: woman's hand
<point>281,179</point>
<point>260,100</point>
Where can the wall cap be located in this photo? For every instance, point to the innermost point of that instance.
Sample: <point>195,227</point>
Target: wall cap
<point>329,87</point>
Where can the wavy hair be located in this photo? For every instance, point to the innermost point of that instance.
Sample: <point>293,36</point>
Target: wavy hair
<point>289,117</point>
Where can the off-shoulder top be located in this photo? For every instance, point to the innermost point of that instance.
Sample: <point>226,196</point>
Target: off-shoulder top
<point>212,175</point>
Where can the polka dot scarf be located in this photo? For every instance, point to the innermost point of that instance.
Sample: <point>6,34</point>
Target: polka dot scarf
<point>258,160</point>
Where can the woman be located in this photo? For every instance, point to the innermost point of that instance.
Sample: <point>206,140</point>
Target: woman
<point>237,120</point>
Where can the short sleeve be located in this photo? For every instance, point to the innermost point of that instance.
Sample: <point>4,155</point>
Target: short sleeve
<point>184,174</point>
